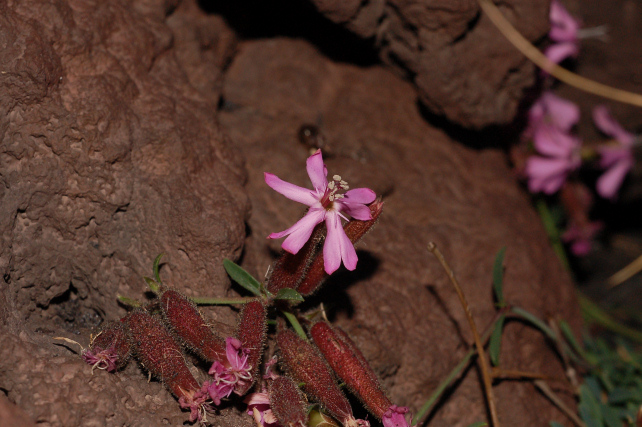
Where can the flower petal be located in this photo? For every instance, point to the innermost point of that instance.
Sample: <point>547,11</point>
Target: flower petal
<point>607,124</point>
<point>610,181</point>
<point>355,210</point>
<point>317,171</point>
<point>563,113</point>
<point>360,195</point>
<point>564,26</point>
<point>291,191</point>
<point>300,232</point>
<point>547,175</point>
<point>560,51</point>
<point>553,142</point>
<point>337,246</point>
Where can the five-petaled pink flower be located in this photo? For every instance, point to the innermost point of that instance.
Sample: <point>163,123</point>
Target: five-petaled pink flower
<point>616,159</point>
<point>550,121</point>
<point>326,204</point>
<point>101,359</point>
<point>564,33</point>
<point>228,378</point>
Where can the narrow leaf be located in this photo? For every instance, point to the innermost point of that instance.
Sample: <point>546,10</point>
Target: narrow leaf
<point>242,277</point>
<point>532,319</point>
<point>289,294</point>
<point>495,343</point>
<point>555,424</point>
<point>479,424</point>
<point>153,285</point>
<point>498,277</point>
<point>157,268</point>
<point>129,301</point>
<point>295,324</point>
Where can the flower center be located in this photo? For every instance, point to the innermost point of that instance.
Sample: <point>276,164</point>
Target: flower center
<point>331,192</point>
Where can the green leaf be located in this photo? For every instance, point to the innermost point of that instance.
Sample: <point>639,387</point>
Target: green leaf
<point>479,424</point>
<point>565,328</point>
<point>242,277</point>
<point>129,301</point>
<point>495,343</point>
<point>295,324</point>
<point>156,268</point>
<point>533,320</point>
<point>289,294</point>
<point>498,277</point>
<point>589,407</point>
<point>153,285</point>
<point>555,424</point>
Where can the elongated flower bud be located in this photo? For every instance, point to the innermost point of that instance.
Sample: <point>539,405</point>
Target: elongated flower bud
<point>348,363</point>
<point>355,230</point>
<point>252,329</point>
<point>288,403</point>
<point>307,366</point>
<point>160,354</point>
<point>290,269</point>
<point>185,321</point>
<point>109,349</point>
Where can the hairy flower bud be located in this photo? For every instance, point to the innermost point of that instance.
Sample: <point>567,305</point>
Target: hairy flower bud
<point>290,269</point>
<point>251,332</point>
<point>109,349</point>
<point>348,363</point>
<point>288,403</point>
<point>305,365</point>
<point>185,321</point>
<point>160,354</point>
<point>355,230</point>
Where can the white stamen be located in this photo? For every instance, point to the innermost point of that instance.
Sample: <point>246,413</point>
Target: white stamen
<point>336,178</point>
<point>331,185</point>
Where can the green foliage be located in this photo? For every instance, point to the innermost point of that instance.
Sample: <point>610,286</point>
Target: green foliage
<point>242,277</point>
<point>495,343</point>
<point>156,268</point>
<point>612,389</point>
<point>289,295</point>
<point>479,424</point>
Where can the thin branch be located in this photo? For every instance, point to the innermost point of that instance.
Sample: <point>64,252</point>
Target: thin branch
<point>562,74</point>
<point>550,394</point>
<point>483,362</point>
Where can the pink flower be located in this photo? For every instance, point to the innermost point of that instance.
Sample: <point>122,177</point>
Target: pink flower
<point>258,405</point>
<point>564,33</point>
<point>395,416</point>
<point>197,404</point>
<point>561,156</point>
<point>326,204</point>
<point>580,237</point>
<point>616,159</point>
<point>227,378</point>
<point>558,112</point>
<point>101,359</point>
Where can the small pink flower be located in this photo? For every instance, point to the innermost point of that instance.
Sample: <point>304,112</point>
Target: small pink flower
<point>326,204</point>
<point>228,378</point>
<point>101,359</point>
<point>395,416</point>
<point>258,405</point>
<point>197,404</point>
<point>551,109</point>
<point>561,156</point>
<point>616,159</point>
<point>564,33</point>
<point>581,238</point>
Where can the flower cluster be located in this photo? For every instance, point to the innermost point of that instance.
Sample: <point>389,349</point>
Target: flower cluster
<point>234,373</point>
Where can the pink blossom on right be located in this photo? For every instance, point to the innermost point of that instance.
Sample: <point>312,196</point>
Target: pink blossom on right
<point>564,34</point>
<point>616,159</point>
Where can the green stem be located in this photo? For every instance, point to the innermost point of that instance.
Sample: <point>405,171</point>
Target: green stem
<point>221,301</point>
<point>553,233</point>
<point>295,324</point>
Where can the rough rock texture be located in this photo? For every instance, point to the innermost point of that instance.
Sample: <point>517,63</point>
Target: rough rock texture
<point>398,303</point>
<point>109,155</point>
<point>462,66</point>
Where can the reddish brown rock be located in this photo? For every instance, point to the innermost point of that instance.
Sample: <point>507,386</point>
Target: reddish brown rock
<point>463,68</point>
<point>110,154</point>
<point>398,304</point>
